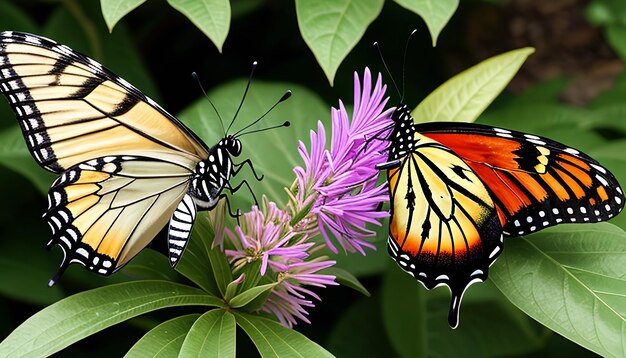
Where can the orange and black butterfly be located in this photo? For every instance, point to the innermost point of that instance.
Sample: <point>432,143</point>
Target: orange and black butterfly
<point>126,168</point>
<point>458,188</point>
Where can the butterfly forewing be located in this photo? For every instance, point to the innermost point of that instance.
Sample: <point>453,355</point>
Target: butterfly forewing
<point>535,182</point>
<point>71,109</point>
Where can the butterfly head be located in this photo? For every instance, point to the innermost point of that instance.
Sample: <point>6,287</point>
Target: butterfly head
<point>232,145</point>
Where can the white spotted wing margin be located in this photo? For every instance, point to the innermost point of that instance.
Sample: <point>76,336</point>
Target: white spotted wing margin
<point>104,211</point>
<point>180,228</point>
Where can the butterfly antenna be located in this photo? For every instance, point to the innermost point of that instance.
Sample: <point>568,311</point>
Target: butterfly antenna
<point>406,48</point>
<point>195,76</point>
<point>380,54</point>
<point>282,99</point>
<point>286,124</point>
<point>254,64</point>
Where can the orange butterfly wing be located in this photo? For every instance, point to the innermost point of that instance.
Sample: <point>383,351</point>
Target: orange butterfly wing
<point>536,182</point>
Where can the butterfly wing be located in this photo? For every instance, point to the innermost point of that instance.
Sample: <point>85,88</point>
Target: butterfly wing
<point>536,182</point>
<point>444,228</point>
<point>71,109</point>
<point>104,211</point>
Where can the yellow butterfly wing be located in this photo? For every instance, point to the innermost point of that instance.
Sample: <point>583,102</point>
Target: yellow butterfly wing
<point>444,228</point>
<point>104,211</point>
<point>124,163</point>
<point>71,109</point>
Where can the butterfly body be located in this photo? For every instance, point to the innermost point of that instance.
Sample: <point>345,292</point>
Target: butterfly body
<point>213,174</point>
<point>126,167</point>
<point>456,189</point>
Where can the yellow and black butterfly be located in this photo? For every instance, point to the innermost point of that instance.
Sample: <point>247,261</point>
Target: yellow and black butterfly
<point>126,168</point>
<point>457,188</point>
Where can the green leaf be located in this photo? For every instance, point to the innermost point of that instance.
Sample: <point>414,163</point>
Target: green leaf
<point>331,28</point>
<point>404,310</point>
<point>15,156</point>
<point>274,153</point>
<point>465,96</point>
<point>374,263</point>
<point>81,315</point>
<point>164,340</point>
<point>274,340</point>
<point>247,296</point>
<point>211,16</point>
<point>416,321</point>
<point>114,10</point>
<point>357,331</point>
<point>345,278</point>
<point>24,280</point>
<point>572,279</point>
<point>212,335</point>
<point>150,265</point>
<point>616,35</point>
<point>435,13</point>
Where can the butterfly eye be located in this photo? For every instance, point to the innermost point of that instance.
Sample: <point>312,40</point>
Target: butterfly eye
<point>233,145</point>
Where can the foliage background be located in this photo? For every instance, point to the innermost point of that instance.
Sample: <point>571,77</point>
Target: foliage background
<point>571,90</point>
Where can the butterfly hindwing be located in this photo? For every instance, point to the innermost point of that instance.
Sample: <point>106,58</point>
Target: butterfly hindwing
<point>535,182</point>
<point>71,109</point>
<point>104,211</point>
<point>444,228</point>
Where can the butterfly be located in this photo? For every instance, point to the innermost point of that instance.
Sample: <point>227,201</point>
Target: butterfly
<point>126,168</point>
<point>456,189</point>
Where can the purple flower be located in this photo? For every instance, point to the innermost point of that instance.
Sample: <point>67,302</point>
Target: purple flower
<point>267,236</point>
<point>288,299</point>
<point>334,194</point>
<point>338,185</point>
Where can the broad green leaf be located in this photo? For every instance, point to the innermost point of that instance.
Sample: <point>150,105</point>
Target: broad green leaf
<point>572,279</point>
<point>212,335</point>
<point>24,280</point>
<point>150,265</point>
<point>345,278</point>
<point>404,312</point>
<point>164,340</point>
<point>15,156</point>
<point>416,321</point>
<point>465,96</point>
<point>81,315</point>
<point>274,340</point>
<point>13,18</point>
<point>616,35</point>
<point>611,156</point>
<point>374,263</point>
<point>114,10</point>
<point>435,13</point>
<point>331,28</point>
<point>195,263</point>
<point>211,16</point>
<point>247,296</point>
<point>358,332</point>
<point>606,12</point>
<point>611,97</point>
<point>274,153</point>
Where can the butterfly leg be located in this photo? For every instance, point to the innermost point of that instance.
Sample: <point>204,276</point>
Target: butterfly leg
<point>230,210</point>
<point>238,167</point>
<point>243,182</point>
<point>388,165</point>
